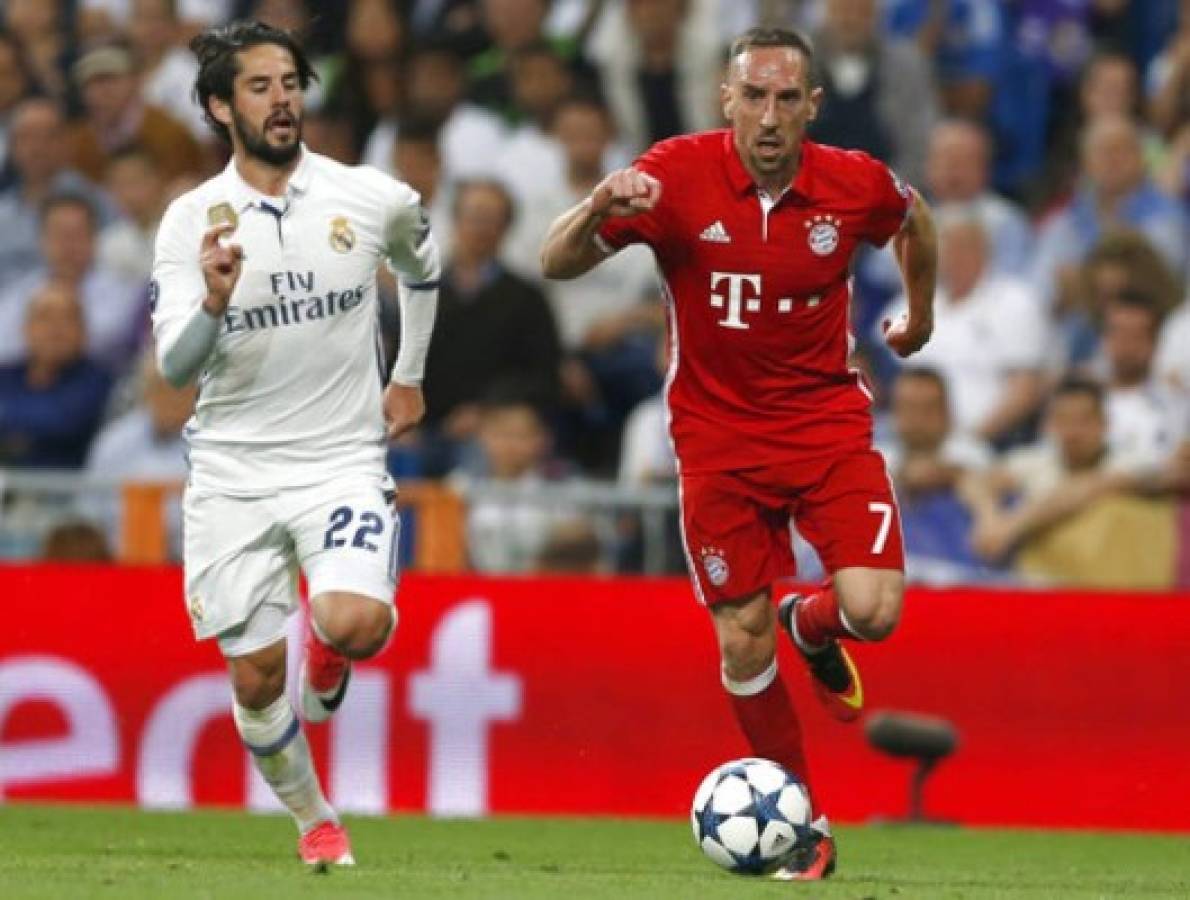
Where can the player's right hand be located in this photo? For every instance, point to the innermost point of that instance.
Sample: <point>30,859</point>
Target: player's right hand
<point>221,265</point>
<point>625,192</point>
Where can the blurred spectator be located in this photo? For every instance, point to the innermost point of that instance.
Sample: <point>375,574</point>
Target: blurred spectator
<point>41,28</point>
<point>38,156</point>
<point>117,116</point>
<point>76,541</point>
<point>660,66</point>
<point>646,452</point>
<point>492,325</point>
<point>879,96</point>
<point>114,308</point>
<point>1122,262</point>
<point>990,335</point>
<point>571,547</point>
<point>1057,485</point>
<point>146,444</point>
<point>927,459</point>
<point>471,138</point>
<point>963,38</point>
<point>531,156</point>
<point>16,84</point>
<point>52,401</point>
<point>1172,363</point>
<point>958,169</point>
<point>417,160</point>
<point>602,307</point>
<point>1168,80</point>
<point>512,25</point>
<point>167,69</point>
<point>1114,191</point>
<point>1109,87</point>
<point>193,15</point>
<point>1047,45</point>
<point>126,246</point>
<point>365,86</point>
<point>1144,417</point>
<point>508,534</point>
<point>958,172</point>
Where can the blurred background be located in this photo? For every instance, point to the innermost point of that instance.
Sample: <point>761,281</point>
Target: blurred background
<point>1041,438</point>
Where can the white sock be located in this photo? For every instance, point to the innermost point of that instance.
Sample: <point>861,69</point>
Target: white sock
<point>274,737</point>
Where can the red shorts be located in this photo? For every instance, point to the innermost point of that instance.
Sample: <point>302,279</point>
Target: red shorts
<point>736,525</point>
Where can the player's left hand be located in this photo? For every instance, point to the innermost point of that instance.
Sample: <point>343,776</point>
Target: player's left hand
<point>905,337</point>
<point>404,407</point>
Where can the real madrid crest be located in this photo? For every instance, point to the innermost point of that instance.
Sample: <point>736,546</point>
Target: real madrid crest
<point>222,213</point>
<point>342,237</point>
<point>823,234</point>
<point>197,610</point>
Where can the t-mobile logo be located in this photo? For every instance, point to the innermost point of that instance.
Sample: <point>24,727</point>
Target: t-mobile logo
<point>734,301</point>
<point>460,696</point>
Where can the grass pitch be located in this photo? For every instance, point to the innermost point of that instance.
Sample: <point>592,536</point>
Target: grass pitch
<point>69,852</point>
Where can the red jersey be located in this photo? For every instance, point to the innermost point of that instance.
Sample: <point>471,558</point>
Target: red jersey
<point>758,294</point>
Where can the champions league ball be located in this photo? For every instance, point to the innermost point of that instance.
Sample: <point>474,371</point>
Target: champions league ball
<point>751,816</point>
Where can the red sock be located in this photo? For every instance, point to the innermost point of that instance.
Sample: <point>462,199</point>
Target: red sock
<point>769,721</point>
<point>819,620</point>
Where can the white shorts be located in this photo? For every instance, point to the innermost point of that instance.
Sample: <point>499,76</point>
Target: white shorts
<point>243,554</point>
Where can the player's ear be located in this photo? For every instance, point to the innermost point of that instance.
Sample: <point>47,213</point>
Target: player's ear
<point>725,100</point>
<point>220,110</point>
<point>816,95</point>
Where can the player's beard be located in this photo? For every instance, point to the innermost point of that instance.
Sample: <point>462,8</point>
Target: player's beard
<point>255,143</point>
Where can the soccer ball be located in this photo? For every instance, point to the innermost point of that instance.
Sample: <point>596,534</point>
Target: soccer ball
<point>750,816</point>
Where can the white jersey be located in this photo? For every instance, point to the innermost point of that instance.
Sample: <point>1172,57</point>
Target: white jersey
<point>291,394</point>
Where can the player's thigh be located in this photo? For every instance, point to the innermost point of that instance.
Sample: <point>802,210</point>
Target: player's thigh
<point>240,571</point>
<point>850,515</point>
<point>736,536</point>
<point>347,535</point>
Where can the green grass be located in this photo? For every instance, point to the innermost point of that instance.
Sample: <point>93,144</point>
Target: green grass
<point>68,852</point>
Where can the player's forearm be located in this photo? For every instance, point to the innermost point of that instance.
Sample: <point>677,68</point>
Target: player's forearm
<point>570,248</point>
<point>183,354</point>
<point>419,308</point>
<point>917,257</point>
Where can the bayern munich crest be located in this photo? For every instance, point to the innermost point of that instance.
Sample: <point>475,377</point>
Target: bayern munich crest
<point>823,235</point>
<point>715,566</point>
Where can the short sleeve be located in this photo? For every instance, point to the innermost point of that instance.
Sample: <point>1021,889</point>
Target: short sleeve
<point>648,227</point>
<point>888,201</point>
<point>408,244</point>
<point>177,286</point>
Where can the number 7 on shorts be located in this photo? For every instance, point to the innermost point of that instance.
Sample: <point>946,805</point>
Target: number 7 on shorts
<point>885,511</point>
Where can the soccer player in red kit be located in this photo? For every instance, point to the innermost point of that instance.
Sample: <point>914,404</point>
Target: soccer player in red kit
<point>753,228</point>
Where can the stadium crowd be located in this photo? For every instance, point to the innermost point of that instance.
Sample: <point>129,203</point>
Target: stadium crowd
<point>1042,435</point>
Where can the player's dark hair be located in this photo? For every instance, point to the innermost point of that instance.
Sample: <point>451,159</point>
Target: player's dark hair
<point>217,49</point>
<point>755,38</point>
<point>1079,385</point>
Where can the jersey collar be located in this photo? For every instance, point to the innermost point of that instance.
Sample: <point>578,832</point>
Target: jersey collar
<point>243,195</point>
<point>741,181</point>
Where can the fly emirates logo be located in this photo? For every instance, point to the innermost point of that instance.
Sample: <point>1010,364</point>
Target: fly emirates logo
<point>296,300</point>
<point>739,293</point>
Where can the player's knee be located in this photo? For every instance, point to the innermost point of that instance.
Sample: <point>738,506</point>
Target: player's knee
<point>877,619</point>
<point>256,688</point>
<point>745,654</point>
<point>360,630</point>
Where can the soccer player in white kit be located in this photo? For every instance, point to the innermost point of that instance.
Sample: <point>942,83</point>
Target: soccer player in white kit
<point>264,289</point>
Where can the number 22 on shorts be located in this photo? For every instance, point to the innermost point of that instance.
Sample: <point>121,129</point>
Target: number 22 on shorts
<point>370,525</point>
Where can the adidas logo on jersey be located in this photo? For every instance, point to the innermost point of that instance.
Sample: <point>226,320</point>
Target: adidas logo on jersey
<point>715,233</point>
